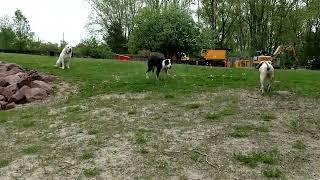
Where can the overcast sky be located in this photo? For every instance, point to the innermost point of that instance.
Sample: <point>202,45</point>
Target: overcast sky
<point>50,18</point>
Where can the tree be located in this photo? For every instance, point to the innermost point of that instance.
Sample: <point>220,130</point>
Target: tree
<point>22,30</point>
<point>170,31</point>
<point>115,38</point>
<point>91,47</point>
<point>7,35</point>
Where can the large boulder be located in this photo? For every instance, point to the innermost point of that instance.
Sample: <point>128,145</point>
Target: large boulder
<point>2,98</point>
<point>42,85</point>
<point>3,104</point>
<point>14,79</point>
<point>20,95</point>
<point>34,94</point>
<point>9,90</point>
<point>49,78</point>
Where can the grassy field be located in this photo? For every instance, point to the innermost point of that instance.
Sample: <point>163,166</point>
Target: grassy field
<point>106,120</point>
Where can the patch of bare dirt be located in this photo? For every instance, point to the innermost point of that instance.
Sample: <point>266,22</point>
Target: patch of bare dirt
<point>138,136</point>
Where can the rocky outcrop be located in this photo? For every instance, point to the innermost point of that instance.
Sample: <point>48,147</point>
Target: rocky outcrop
<point>18,86</point>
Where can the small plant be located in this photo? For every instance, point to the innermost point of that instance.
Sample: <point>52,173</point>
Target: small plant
<point>267,117</point>
<point>132,112</point>
<point>87,155</point>
<point>193,106</point>
<point>4,162</point>
<point>252,159</point>
<point>273,173</point>
<point>247,130</point>
<point>212,116</point>
<point>32,149</point>
<point>91,172</point>
<point>299,145</point>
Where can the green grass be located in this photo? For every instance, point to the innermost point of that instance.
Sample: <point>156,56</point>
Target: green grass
<point>273,173</point>
<point>268,116</point>
<point>252,159</point>
<point>101,76</point>
<point>241,131</point>
<point>87,155</point>
<point>4,162</point>
<point>32,149</point>
<point>299,145</point>
<point>91,172</point>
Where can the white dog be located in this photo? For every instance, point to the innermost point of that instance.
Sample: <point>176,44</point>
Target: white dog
<point>266,75</point>
<point>64,58</point>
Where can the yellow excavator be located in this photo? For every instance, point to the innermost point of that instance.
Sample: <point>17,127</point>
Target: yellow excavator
<point>291,61</point>
<point>275,57</point>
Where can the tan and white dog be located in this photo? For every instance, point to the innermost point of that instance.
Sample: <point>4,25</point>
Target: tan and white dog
<point>64,58</point>
<point>266,75</point>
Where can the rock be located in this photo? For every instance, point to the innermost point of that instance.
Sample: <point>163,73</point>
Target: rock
<point>15,78</point>
<point>34,75</point>
<point>3,82</point>
<point>3,104</point>
<point>10,90</point>
<point>42,85</point>
<point>12,66</point>
<point>2,98</point>
<point>1,90</point>
<point>20,95</point>
<point>10,106</point>
<point>33,94</point>
<point>49,78</point>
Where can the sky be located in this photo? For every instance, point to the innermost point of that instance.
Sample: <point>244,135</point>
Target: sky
<point>49,19</point>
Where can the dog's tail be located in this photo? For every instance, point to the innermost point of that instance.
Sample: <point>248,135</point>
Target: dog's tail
<point>268,67</point>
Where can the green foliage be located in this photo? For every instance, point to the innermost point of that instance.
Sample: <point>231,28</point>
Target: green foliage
<point>22,31</point>
<point>93,48</point>
<point>115,39</point>
<point>7,34</point>
<point>169,31</point>
<point>252,159</point>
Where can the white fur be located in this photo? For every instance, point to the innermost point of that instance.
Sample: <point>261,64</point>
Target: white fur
<point>165,67</point>
<point>266,76</point>
<point>64,58</point>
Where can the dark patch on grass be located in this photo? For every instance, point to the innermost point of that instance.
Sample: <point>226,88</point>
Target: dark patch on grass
<point>143,150</point>
<point>196,157</point>
<point>27,123</point>
<point>132,112</point>
<point>93,131</point>
<point>240,131</point>
<point>4,162</point>
<point>299,145</point>
<point>267,117</point>
<point>273,173</point>
<point>91,172</point>
<point>140,137</point>
<point>297,126</point>
<point>87,155</point>
<point>252,159</point>
<point>169,96</point>
<point>193,106</point>
<point>213,116</point>
<point>73,109</point>
<point>32,149</point>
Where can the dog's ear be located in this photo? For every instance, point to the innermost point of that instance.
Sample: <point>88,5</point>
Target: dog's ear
<point>259,65</point>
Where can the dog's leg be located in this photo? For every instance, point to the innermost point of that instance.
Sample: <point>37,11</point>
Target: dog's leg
<point>262,88</point>
<point>62,64</point>
<point>58,64</point>
<point>158,72</point>
<point>68,64</point>
<point>147,72</point>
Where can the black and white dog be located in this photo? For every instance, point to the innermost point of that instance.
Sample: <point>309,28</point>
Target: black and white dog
<point>159,63</point>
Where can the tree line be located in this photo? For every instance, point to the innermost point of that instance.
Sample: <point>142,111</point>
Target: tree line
<point>175,26</point>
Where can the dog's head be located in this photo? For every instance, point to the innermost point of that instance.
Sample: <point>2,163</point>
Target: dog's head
<point>68,49</point>
<point>166,63</point>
